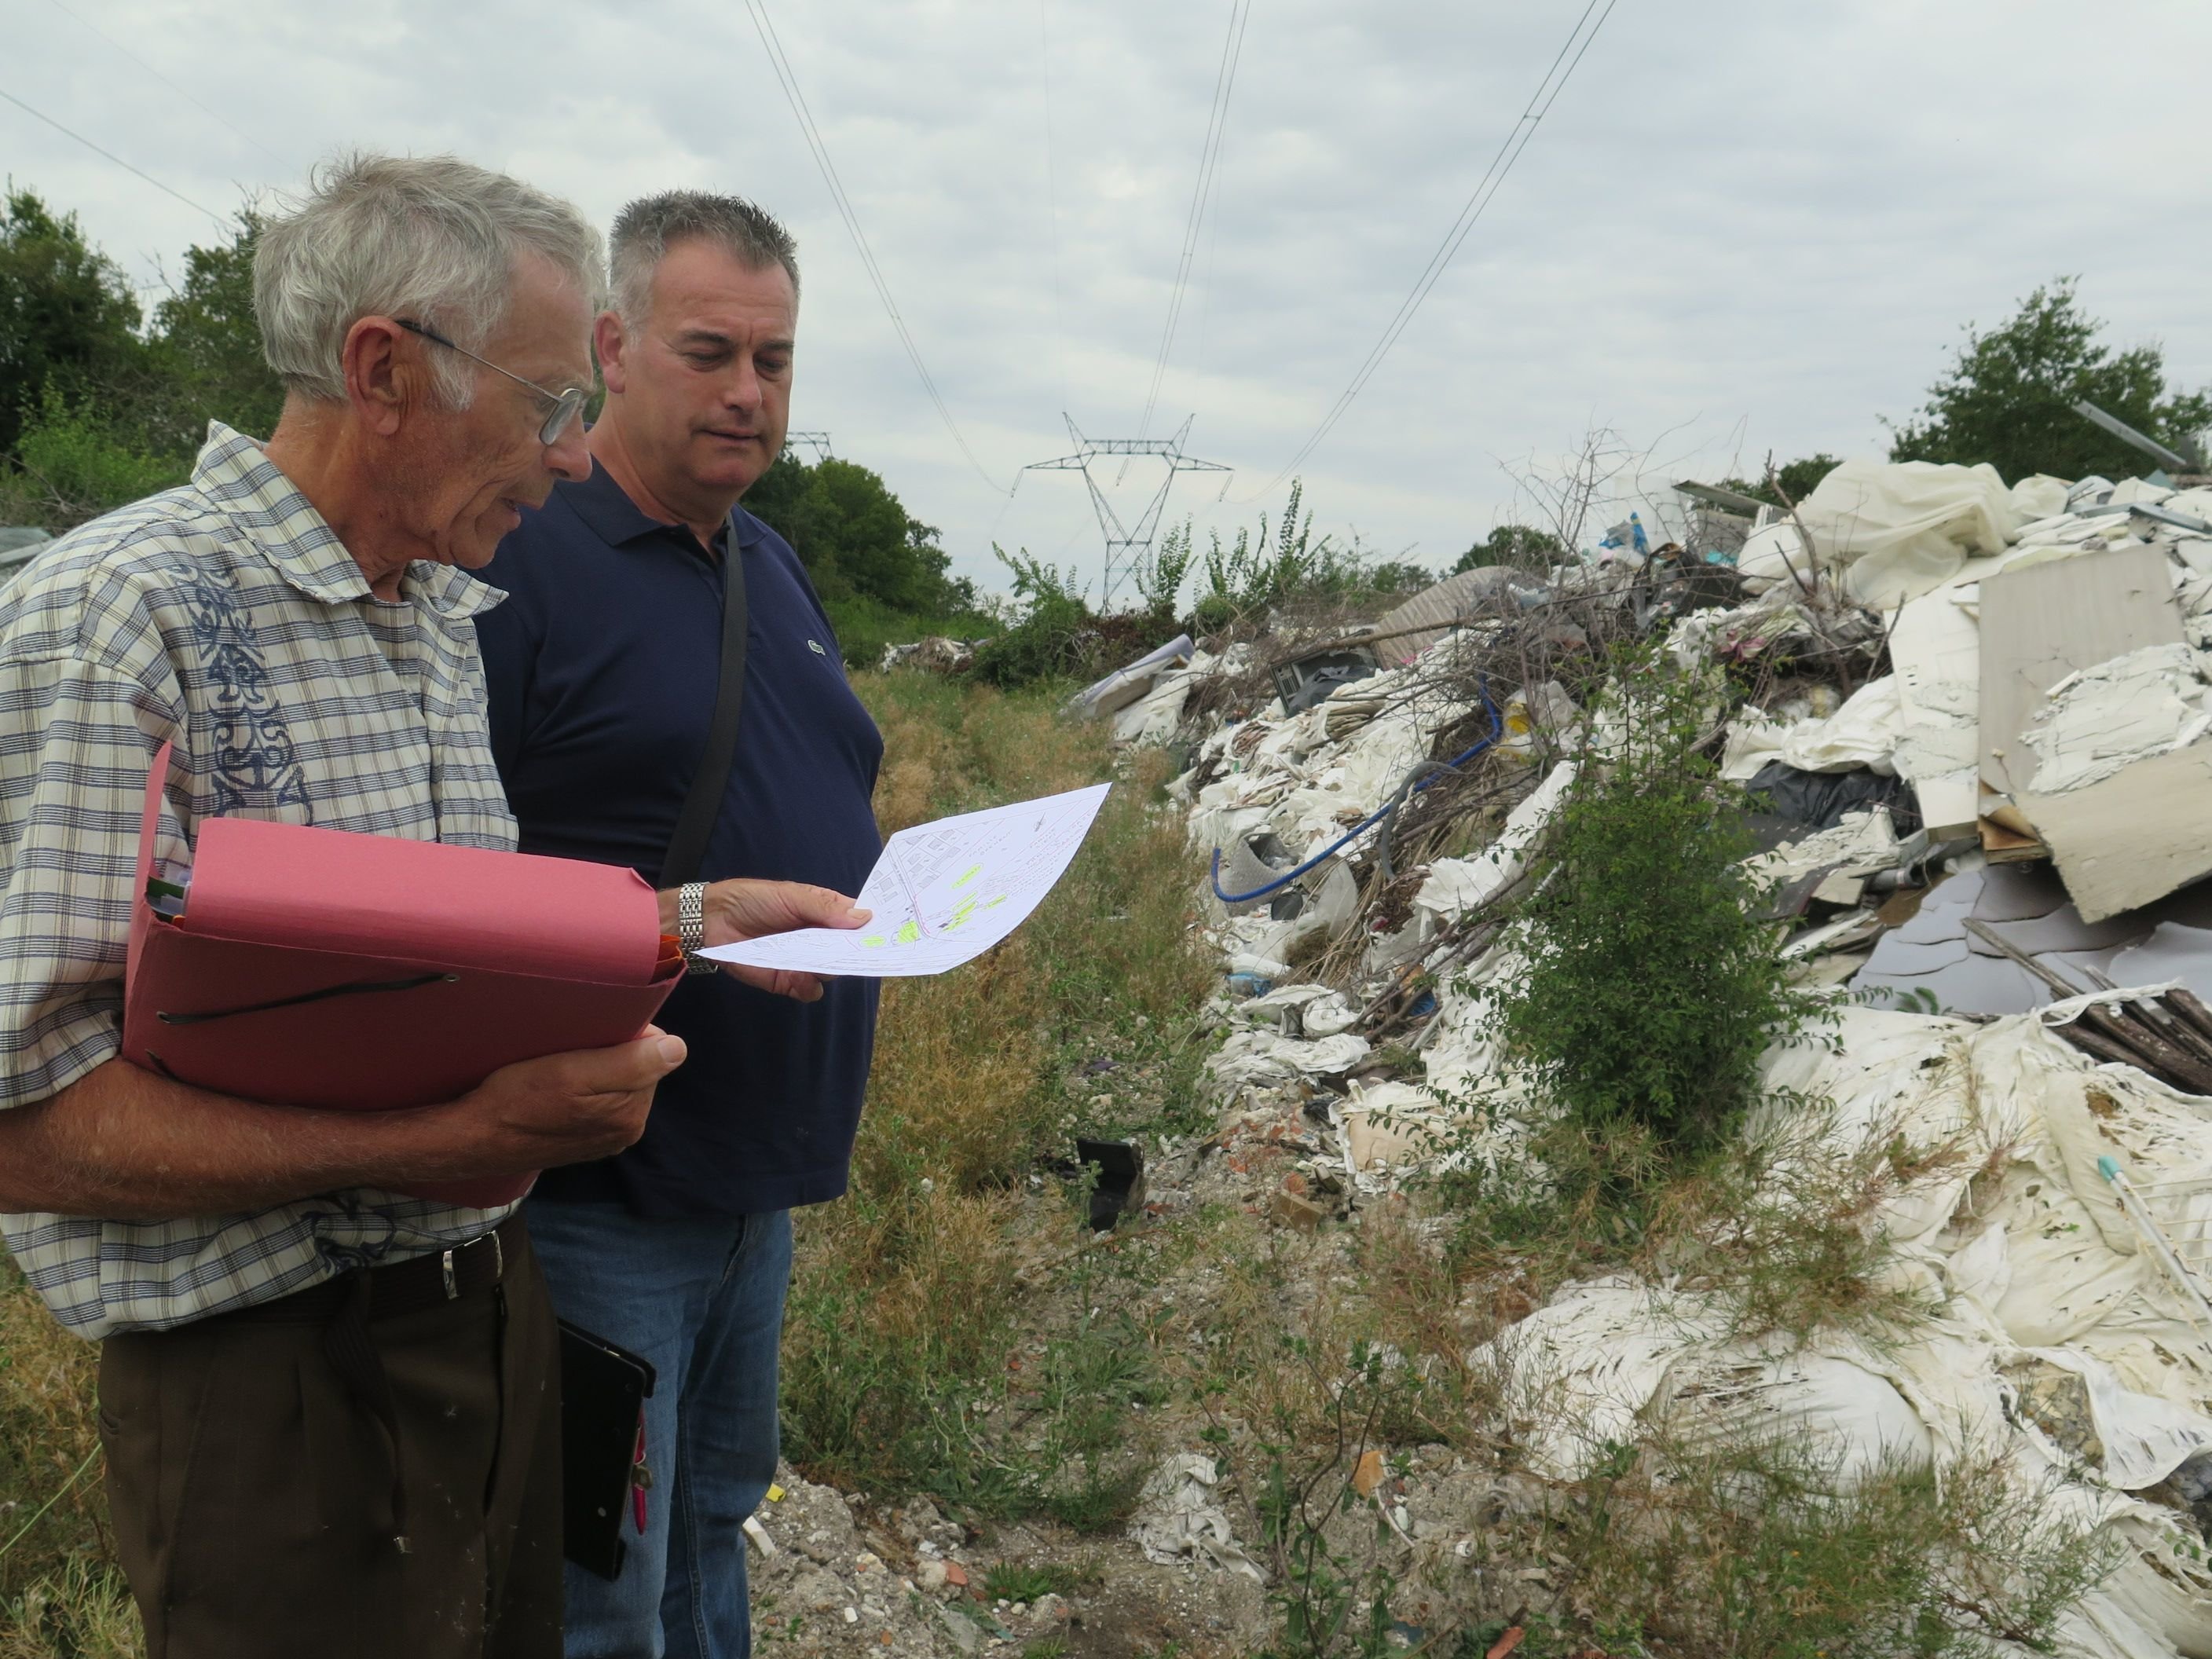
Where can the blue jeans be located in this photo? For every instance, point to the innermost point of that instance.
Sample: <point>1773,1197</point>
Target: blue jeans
<point>702,1300</point>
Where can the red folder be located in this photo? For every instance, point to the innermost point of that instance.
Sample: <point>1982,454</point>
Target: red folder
<point>323,968</point>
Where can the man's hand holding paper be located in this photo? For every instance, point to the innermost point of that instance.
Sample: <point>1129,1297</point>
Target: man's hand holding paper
<point>740,910</point>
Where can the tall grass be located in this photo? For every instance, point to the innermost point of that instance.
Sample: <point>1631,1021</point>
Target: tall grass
<point>61,1597</point>
<point>911,1296</point>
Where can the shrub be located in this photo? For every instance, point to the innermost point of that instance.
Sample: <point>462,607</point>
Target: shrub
<point>72,464</point>
<point>1652,985</point>
<point>1054,636</point>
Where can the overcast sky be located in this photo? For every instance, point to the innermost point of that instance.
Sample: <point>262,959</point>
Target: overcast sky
<point>1743,227</point>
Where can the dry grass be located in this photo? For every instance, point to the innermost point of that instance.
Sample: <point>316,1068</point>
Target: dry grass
<point>59,1594</point>
<point>907,1300</point>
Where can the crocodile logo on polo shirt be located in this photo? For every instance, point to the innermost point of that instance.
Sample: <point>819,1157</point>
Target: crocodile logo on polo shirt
<point>815,646</point>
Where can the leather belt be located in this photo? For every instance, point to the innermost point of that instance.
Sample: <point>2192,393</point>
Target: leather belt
<point>398,1287</point>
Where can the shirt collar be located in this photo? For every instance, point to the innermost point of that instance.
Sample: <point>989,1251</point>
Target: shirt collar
<point>606,507</point>
<point>234,475</point>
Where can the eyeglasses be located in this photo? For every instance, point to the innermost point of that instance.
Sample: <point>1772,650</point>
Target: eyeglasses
<point>566,405</point>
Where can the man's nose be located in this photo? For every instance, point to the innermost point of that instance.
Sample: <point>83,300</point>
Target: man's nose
<point>744,391</point>
<point>566,457</point>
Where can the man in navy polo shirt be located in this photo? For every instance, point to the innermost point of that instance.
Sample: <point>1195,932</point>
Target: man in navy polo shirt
<point>602,669</point>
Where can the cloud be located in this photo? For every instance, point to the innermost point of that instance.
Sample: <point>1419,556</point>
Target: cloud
<point>1753,227</point>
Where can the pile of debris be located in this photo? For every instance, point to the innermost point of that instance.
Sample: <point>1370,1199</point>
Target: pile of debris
<point>1981,719</point>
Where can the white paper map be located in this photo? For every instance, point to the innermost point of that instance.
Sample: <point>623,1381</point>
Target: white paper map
<point>942,893</point>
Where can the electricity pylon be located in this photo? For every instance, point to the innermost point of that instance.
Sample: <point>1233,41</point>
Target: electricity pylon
<point>1126,544</point>
<point>816,441</point>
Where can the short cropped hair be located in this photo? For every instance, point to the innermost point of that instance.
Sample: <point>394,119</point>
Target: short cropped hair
<point>431,238</point>
<point>645,229</point>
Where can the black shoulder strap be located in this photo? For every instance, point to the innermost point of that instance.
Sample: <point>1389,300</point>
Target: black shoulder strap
<point>696,821</point>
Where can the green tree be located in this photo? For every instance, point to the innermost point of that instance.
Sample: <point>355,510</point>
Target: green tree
<point>1518,544</point>
<point>69,320</point>
<point>1793,480</point>
<point>855,537</point>
<point>2007,397</point>
<point>207,347</point>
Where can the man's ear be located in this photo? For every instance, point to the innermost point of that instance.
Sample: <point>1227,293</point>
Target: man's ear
<point>610,346</point>
<point>382,378</point>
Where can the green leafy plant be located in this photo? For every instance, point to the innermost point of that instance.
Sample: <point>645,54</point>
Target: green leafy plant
<point>1651,985</point>
<point>1053,634</point>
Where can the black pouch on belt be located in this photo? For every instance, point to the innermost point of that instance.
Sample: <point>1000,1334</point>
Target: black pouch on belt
<point>603,1393</point>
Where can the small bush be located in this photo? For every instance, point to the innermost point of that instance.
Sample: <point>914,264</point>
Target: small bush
<point>1652,985</point>
<point>864,626</point>
<point>73,465</point>
<point>1053,636</point>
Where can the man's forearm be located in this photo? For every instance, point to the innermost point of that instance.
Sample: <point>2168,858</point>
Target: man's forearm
<point>126,1144</point>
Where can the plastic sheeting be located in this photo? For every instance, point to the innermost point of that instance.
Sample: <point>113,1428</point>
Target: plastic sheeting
<point>1898,529</point>
<point>1254,1058</point>
<point>1455,886</point>
<point>2017,1245</point>
<point>1862,735</point>
<point>1177,1519</point>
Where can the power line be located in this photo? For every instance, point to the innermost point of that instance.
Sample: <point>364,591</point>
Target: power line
<point>1516,140</point>
<point>114,157</point>
<point>214,115</point>
<point>788,79</point>
<point>1216,121</point>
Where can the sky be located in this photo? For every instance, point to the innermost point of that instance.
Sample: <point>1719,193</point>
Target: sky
<point>1740,227</point>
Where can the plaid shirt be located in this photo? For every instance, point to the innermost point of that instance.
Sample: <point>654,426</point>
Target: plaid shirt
<point>226,617</point>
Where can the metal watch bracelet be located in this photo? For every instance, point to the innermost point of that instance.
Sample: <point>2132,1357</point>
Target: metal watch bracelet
<point>691,927</point>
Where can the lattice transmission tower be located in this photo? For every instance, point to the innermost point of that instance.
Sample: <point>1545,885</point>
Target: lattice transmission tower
<point>816,441</point>
<point>1126,543</point>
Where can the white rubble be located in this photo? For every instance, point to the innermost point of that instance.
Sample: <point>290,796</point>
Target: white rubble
<point>2025,1271</point>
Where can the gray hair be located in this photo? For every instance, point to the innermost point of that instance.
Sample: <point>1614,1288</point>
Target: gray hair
<point>645,229</point>
<point>430,238</point>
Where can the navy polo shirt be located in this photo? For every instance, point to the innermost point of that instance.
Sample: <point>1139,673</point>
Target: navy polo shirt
<point>602,666</point>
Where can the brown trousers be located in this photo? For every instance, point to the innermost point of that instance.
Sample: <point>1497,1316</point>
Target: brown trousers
<point>253,1499</point>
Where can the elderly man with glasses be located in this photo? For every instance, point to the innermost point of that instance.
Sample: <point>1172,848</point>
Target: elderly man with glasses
<point>328,1410</point>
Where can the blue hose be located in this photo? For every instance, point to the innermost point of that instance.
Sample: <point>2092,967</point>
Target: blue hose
<point>1497,731</point>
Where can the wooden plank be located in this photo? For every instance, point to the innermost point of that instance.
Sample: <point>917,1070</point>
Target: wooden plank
<point>2003,845</point>
<point>2044,621</point>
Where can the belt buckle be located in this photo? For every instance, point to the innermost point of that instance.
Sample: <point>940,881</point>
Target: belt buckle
<point>445,1262</point>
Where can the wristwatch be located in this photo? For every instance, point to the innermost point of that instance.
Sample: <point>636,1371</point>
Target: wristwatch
<point>692,927</point>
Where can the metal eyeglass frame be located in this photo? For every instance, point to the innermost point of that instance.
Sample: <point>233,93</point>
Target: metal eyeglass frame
<point>566,405</point>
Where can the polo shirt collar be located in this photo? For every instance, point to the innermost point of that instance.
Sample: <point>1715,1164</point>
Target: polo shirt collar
<point>607,509</point>
<point>288,531</point>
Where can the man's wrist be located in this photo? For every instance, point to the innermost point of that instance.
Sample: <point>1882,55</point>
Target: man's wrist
<point>691,925</point>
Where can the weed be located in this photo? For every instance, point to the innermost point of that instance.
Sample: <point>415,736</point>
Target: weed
<point>1332,1602</point>
<point>1760,1548</point>
<point>82,1611</point>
